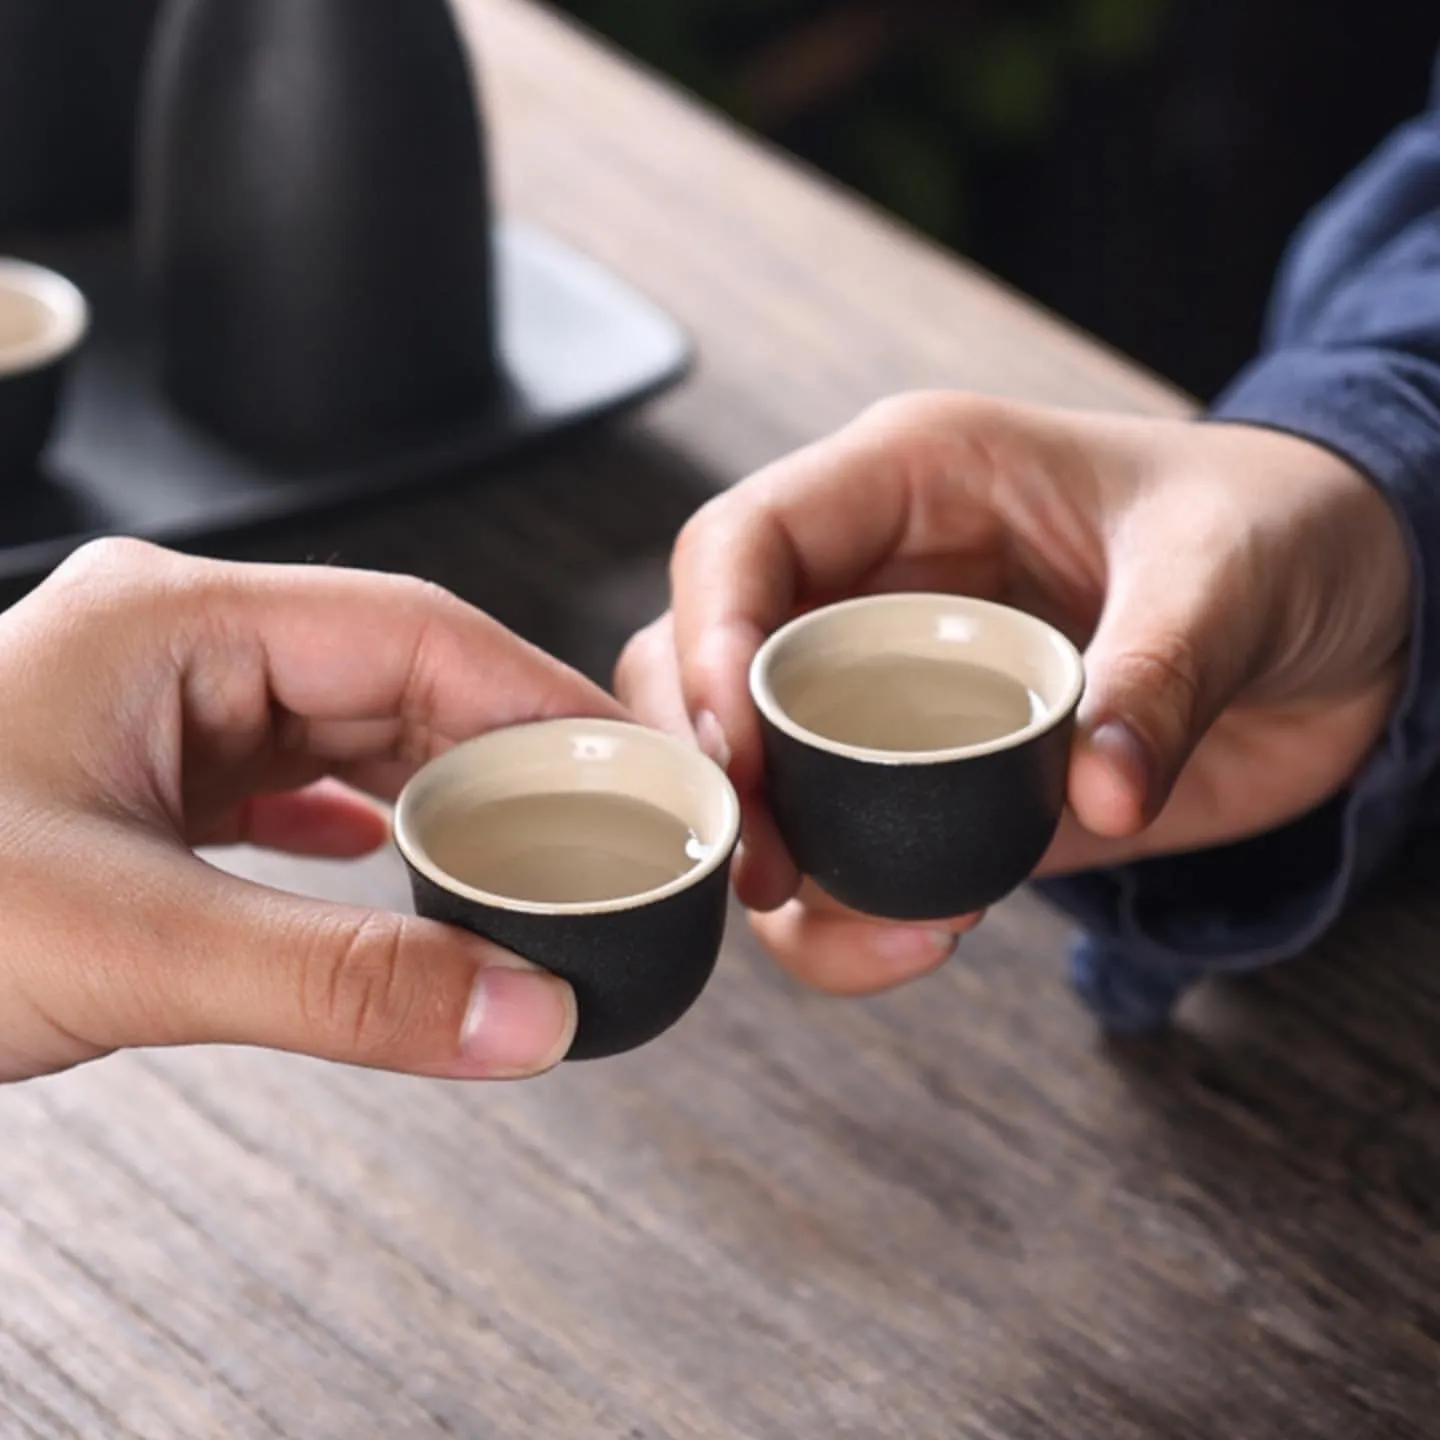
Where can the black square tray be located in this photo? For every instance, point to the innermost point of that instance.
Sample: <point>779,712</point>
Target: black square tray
<point>578,345</point>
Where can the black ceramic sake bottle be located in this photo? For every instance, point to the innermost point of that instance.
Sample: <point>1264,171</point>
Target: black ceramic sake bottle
<point>314,225</point>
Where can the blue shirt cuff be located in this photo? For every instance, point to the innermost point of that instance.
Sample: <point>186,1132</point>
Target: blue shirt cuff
<point>1153,929</point>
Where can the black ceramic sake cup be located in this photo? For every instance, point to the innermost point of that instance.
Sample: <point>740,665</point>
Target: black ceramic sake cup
<point>637,961</point>
<point>917,834</point>
<point>43,320</point>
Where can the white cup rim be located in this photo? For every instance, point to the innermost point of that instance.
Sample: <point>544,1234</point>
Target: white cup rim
<point>1026,628</point>
<point>69,313</point>
<point>447,770</point>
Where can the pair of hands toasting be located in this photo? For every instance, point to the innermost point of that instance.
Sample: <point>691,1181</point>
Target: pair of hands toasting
<point>1244,597</point>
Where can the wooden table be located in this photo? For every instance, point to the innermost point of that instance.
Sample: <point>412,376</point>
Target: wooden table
<point>951,1212</point>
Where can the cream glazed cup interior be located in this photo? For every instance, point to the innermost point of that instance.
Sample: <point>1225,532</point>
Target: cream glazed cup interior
<point>952,628</point>
<point>43,317</point>
<point>555,757</point>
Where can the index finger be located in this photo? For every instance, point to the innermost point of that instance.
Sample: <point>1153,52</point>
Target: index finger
<point>344,648</point>
<point>341,666</point>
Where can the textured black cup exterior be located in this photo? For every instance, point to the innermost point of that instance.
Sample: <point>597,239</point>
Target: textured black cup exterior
<point>919,841</point>
<point>314,225</point>
<point>29,403</point>
<point>635,972</point>
<point>69,88</point>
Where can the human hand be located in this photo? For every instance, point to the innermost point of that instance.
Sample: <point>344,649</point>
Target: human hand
<point>1245,598</point>
<point>152,703</point>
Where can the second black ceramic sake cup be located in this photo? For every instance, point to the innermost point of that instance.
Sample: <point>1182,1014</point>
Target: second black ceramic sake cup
<point>918,835</point>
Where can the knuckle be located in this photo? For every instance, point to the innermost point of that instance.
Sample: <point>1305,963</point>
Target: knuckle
<point>924,410</point>
<point>893,411</point>
<point>113,552</point>
<point>628,668</point>
<point>429,595</point>
<point>639,657</point>
<point>436,606</point>
<point>112,559</point>
<point>436,650</point>
<point>1168,673</point>
<point>930,438</point>
<point>354,986</point>
<point>696,533</point>
<point>118,579</point>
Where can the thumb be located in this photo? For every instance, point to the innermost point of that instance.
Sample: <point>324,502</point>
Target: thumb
<point>1174,647</point>
<point>212,959</point>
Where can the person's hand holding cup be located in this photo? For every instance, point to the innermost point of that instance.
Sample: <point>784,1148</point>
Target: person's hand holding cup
<point>1233,588</point>
<point>155,703</point>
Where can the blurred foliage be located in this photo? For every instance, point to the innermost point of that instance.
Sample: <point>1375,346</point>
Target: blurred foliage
<point>1136,165</point>
<point>896,97</point>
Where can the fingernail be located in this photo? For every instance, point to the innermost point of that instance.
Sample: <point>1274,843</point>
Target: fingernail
<point>1122,749</point>
<point>521,1021</point>
<point>911,951</point>
<point>711,738</point>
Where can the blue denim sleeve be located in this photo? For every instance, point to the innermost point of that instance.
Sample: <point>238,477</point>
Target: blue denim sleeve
<point>1351,362</point>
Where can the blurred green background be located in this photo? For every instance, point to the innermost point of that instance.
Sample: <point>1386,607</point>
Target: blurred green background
<point>1135,164</point>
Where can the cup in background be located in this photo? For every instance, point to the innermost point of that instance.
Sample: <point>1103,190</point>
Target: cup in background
<point>916,748</point>
<point>593,890</point>
<point>43,320</point>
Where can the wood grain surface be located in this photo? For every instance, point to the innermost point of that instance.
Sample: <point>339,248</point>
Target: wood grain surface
<point>951,1212</point>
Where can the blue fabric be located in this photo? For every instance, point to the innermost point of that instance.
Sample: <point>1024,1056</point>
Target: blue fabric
<point>1351,361</point>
